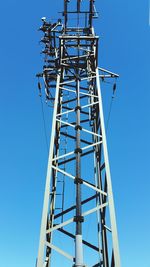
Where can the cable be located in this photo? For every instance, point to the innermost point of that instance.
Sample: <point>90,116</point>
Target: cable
<point>44,123</point>
<point>110,107</point>
<point>54,19</point>
<point>109,114</point>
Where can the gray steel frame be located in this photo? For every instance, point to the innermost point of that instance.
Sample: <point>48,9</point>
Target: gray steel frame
<point>71,66</point>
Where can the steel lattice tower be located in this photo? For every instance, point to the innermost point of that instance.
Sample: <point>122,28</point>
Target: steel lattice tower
<point>78,193</point>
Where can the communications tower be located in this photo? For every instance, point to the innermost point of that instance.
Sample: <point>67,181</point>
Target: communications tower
<point>78,226</point>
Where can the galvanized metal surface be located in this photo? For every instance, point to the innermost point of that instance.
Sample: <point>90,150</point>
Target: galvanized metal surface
<point>78,157</point>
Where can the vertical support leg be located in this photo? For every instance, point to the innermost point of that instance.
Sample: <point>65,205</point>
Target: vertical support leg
<point>108,177</point>
<point>78,240</point>
<point>41,250</point>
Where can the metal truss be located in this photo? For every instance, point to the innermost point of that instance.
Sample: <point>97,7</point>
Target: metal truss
<point>78,191</point>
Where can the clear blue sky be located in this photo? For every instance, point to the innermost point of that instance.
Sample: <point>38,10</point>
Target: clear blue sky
<point>125,49</point>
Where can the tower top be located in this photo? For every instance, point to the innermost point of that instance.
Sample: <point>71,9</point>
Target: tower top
<point>84,9</point>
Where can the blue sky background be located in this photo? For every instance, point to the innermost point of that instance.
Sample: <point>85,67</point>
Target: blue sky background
<point>125,43</point>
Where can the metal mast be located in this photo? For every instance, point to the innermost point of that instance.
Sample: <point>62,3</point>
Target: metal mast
<point>78,192</point>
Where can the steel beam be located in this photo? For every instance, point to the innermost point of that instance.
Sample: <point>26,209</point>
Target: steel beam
<point>78,158</point>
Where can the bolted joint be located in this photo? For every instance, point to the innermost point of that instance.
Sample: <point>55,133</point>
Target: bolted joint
<point>78,150</point>
<point>97,155</point>
<point>78,108</point>
<point>78,180</point>
<point>78,127</point>
<point>57,146</point>
<point>78,219</point>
